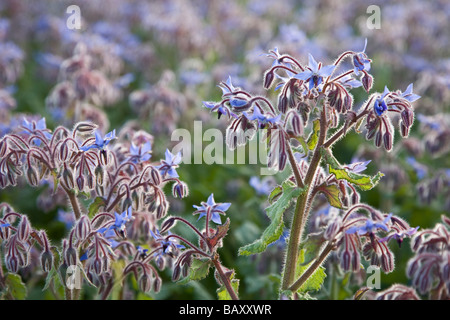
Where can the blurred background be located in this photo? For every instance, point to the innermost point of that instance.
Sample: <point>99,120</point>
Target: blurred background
<point>152,63</point>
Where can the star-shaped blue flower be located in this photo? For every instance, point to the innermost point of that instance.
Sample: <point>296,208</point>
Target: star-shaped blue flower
<point>262,119</point>
<point>315,73</point>
<point>380,105</point>
<point>370,226</point>
<point>227,87</point>
<point>140,153</point>
<point>33,127</point>
<point>211,210</point>
<point>100,142</point>
<point>167,244</point>
<point>409,95</point>
<point>360,61</point>
<point>168,166</point>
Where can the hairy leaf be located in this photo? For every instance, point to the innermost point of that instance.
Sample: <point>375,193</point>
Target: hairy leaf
<point>275,213</point>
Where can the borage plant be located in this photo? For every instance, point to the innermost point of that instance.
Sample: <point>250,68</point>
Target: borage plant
<point>314,110</point>
<point>116,195</point>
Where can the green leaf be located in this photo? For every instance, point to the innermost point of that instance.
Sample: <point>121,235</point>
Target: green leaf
<point>314,136</point>
<point>275,213</point>
<point>95,206</point>
<point>331,192</point>
<point>362,181</point>
<point>222,292</point>
<point>198,270</point>
<point>276,192</point>
<point>311,247</point>
<point>15,286</point>
<point>315,281</point>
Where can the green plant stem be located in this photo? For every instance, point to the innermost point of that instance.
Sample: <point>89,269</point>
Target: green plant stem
<point>225,280</point>
<point>302,208</point>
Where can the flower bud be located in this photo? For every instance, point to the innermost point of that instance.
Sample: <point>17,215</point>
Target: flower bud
<point>83,227</point>
<point>80,183</point>
<point>97,265</point>
<point>32,176</point>
<point>180,190</point>
<point>12,263</point>
<point>99,175</point>
<point>268,79</point>
<point>367,81</point>
<point>46,261</point>
<point>23,229</point>
<point>167,224</point>
<point>345,260</point>
<point>388,139</point>
<point>71,256</point>
<point>85,127</point>
<point>68,178</point>
<point>157,284</point>
<point>145,283</point>
<point>282,103</point>
<point>3,147</point>
<point>176,273</point>
<point>297,125</point>
<point>378,139</point>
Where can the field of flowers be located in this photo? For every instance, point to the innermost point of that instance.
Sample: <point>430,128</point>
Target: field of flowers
<point>96,202</point>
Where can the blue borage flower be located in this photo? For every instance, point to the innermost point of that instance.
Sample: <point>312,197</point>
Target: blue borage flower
<point>380,105</point>
<point>370,226</point>
<point>262,186</point>
<point>168,166</point>
<point>140,153</point>
<point>119,222</point>
<point>211,210</point>
<point>35,128</point>
<point>262,119</point>
<point>227,87</point>
<point>361,61</point>
<point>400,235</point>
<point>357,167</point>
<point>219,108</point>
<point>314,76</point>
<point>167,244</point>
<point>100,142</point>
<point>409,95</point>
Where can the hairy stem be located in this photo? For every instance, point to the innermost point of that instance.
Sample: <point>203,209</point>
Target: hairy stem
<point>225,280</point>
<point>302,208</point>
<point>73,202</point>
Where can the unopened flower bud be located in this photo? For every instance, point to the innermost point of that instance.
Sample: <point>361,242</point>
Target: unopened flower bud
<point>180,190</point>
<point>387,139</point>
<point>32,176</point>
<point>367,81</point>
<point>268,79</point>
<point>145,283</point>
<point>176,273</point>
<point>71,256</point>
<point>85,127</point>
<point>68,178</point>
<point>12,263</point>
<point>23,229</point>
<point>157,284</point>
<point>83,227</point>
<point>297,125</point>
<point>46,261</point>
<point>80,183</point>
<point>167,224</point>
<point>99,175</point>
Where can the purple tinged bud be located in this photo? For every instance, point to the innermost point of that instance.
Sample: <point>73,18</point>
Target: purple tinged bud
<point>387,261</point>
<point>32,177</point>
<point>367,81</point>
<point>80,183</point>
<point>12,263</point>
<point>176,273</point>
<point>63,152</point>
<point>46,261</point>
<point>99,175</point>
<point>378,139</point>
<point>3,148</point>
<point>157,284</point>
<point>404,130</point>
<point>85,127</point>
<point>387,139</point>
<point>332,229</point>
<point>156,176</point>
<point>168,224</point>
<point>68,178</point>
<point>24,229</point>
<point>180,190</point>
<point>98,265</point>
<point>268,79</point>
<point>345,260</point>
<point>282,103</point>
<point>83,228</point>
<point>297,125</point>
<point>145,283</point>
<point>71,256</point>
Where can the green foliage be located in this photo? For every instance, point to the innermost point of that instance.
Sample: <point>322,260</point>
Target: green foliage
<point>275,212</point>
